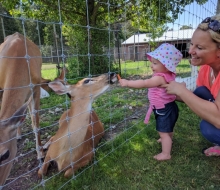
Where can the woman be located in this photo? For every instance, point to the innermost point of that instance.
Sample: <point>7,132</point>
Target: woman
<point>205,100</point>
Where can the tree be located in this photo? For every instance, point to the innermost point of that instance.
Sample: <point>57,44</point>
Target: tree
<point>142,13</point>
<point>95,20</point>
<point>8,25</point>
<point>184,27</point>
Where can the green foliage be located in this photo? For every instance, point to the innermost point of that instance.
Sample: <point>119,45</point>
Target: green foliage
<point>10,25</point>
<point>50,38</point>
<point>33,29</point>
<point>98,60</point>
<point>147,15</point>
<point>184,27</point>
<point>75,68</point>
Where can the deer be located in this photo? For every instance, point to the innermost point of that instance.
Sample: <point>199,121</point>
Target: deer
<point>80,129</point>
<point>8,129</point>
<point>45,82</point>
<point>20,79</point>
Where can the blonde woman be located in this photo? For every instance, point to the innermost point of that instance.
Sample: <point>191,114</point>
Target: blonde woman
<point>205,101</point>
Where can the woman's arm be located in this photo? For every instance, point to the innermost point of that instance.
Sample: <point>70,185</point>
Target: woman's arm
<point>208,111</point>
<point>179,99</point>
<point>148,83</point>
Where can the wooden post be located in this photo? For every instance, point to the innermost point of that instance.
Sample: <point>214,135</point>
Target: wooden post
<point>3,28</point>
<point>56,44</point>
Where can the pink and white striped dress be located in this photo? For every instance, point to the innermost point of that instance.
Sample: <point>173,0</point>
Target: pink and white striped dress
<point>157,95</point>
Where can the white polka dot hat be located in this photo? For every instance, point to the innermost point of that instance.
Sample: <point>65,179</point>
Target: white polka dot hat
<point>168,55</point>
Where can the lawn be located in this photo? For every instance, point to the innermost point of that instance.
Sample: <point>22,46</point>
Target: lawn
<point>125,159</point>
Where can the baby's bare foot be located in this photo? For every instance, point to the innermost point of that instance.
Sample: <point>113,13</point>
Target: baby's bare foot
<point>159,140</point>
<point>161,157</point>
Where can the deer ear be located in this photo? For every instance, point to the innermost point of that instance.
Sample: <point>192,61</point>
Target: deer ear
<point>17,118</point>
<point>58,87</point>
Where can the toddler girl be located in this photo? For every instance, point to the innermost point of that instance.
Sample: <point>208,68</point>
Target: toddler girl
<point>164,60</point>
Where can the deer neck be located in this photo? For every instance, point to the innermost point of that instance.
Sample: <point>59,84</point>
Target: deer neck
<point>80,109</point>
<point>79,118</point>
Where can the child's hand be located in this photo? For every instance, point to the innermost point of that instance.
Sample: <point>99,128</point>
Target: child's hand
<point>123,82</point>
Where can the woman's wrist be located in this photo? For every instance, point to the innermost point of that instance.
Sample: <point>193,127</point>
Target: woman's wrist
<point>127,83</point>
<point>181,91</point>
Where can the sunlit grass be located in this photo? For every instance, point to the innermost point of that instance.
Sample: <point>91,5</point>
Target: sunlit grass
<point>143,68</point>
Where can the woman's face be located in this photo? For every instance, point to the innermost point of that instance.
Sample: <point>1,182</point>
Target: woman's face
<point>203,50</point>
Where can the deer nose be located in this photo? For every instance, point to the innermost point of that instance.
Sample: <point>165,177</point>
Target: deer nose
<point>112,77</point>
<point>112,74</point>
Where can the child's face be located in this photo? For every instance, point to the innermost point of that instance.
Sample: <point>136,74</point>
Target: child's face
<point>157,66</point>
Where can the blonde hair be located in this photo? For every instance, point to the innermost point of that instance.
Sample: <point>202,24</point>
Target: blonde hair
<point>214,35</point>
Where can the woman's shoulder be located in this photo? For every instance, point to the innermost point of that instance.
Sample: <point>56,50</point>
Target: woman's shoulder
<point>204,68</point>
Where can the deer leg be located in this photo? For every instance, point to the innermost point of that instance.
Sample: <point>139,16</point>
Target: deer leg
<point>87,157</point>
<point>46,146</point>
<point>43,170</point>
<point>69,172</point>
<point>34,107</point>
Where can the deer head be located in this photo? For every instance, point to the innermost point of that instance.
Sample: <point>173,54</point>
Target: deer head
<point>95,85</point>
<point>8,130</point>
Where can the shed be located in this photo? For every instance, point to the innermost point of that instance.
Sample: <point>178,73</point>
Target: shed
<point>136,47</point>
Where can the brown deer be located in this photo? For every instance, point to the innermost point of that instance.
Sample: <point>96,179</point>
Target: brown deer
<point>45,82</point>
<point>8,129</point>
<point>80,130</point>
<point>20,78</point>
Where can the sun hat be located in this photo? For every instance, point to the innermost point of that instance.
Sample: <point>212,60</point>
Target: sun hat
<point>168,55</point>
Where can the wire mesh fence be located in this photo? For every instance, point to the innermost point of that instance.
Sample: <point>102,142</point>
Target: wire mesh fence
<point>117,42</point>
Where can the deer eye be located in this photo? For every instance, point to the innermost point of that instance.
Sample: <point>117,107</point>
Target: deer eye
<point>87,81</point>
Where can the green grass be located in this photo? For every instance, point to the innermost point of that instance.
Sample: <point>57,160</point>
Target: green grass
<point>143,68</point>
<point>49,71</point>
<point>126,162</point>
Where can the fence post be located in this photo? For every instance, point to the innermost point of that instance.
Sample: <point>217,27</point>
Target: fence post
<point>3,28</point>
<point>55,36</point>
<point>51,50</point>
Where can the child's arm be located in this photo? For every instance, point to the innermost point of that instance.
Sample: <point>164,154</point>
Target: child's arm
<point>155,81</point>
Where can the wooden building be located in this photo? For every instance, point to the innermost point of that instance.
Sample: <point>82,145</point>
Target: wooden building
<point>136,47</point>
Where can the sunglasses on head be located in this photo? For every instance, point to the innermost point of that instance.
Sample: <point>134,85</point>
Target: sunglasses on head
<point>213,24</point>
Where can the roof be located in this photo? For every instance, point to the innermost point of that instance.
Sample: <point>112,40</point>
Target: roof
<point>167,36</point>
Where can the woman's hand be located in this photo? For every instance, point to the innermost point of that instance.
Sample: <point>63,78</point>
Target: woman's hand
<point>123,82</point>
<point>174,87</point>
